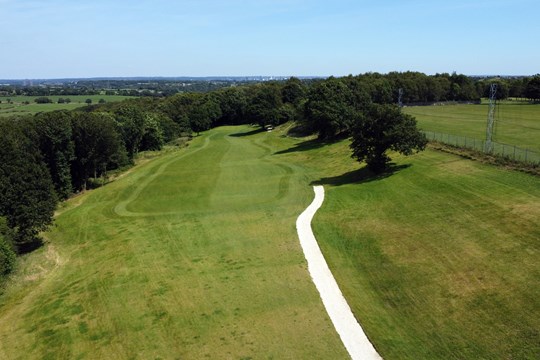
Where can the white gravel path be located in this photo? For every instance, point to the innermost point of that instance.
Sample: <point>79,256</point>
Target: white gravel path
<point>349,330</point>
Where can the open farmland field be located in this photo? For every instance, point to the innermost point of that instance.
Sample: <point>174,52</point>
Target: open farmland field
<point>195,254</point>
<point>18,106</point>
<point>515,124</point>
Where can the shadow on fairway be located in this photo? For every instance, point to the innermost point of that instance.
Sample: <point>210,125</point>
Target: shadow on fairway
<point>249,133</point>
<point>304,146</point>
<point>359,176</point>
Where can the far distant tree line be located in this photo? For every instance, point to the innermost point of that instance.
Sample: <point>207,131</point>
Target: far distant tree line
<point>49,156</point>
<point>47,100</point>
<point>417,87</point>
<point>152,88</point>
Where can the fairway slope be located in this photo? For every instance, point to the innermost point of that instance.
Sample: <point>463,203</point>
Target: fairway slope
<point>195,254</point>
<point>192,255</point>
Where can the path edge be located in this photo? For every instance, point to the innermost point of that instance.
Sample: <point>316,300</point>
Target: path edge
<point>349,330</point>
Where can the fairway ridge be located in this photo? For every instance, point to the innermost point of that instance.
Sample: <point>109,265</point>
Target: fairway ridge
<point>348,328</point>
<point>121,207</point>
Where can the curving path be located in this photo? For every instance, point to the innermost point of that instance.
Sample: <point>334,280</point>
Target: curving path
<point>349,330</point>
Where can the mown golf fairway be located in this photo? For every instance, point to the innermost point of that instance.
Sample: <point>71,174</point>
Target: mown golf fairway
<point>195,255</point>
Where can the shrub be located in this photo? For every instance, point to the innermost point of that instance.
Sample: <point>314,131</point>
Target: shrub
<point>7,257</point>
<point>7,254</point>
<point>43,100</point>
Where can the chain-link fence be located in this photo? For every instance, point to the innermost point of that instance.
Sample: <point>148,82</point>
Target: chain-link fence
<point>509,151</point>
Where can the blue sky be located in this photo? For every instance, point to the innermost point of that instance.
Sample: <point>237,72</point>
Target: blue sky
<point>61,38</point>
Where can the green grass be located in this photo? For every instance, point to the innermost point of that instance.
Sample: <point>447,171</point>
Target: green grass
<point>515,124</point>
<point>195,255</point>
<point>438,260</point>
<point>17,107</point>
<point>192,255</point>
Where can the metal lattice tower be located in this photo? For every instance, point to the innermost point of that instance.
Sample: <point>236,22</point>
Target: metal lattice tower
<point>488,145</point>
<point>400,97</point>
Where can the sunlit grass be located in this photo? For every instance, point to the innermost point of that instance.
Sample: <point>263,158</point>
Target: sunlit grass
<point>18,106</point>
<point>194,255</point>
<point>439,259</point>
<point>202,263</point>
<point>517,124</point>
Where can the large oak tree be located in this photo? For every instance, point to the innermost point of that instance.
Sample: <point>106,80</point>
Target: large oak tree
<point>382,128</point>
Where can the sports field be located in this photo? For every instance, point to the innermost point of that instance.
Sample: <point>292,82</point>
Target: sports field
<point>515,123</point>
<point>195,255</point>
<point>17,105</point>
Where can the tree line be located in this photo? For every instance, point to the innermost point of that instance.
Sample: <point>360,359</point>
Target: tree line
<point>47,157</point>
<point>417,87</point>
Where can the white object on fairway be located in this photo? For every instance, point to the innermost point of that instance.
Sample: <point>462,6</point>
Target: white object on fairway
<point>349,330</point>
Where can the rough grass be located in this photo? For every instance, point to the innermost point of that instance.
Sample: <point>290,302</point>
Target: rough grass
<point>195,255</point>
<point>17,107</point>
<point>438,258</point>
<point>515,124</point>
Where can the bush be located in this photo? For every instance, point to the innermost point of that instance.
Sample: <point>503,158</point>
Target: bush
<point>7,254</point>
<point>7,257</point>
<point>43,100</point>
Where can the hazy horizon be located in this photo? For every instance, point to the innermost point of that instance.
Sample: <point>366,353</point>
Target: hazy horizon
<point>224,77</point>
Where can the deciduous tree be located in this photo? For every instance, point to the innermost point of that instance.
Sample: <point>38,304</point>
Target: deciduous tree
<point>56,146</point>
<point>264,103</point>
<point>7,255</point>
<point>204,113</point>
<point>383,128</point>
<point>532,89</point>
<point>330,108</point>
<point>98,147</point>
<point>27,197</point>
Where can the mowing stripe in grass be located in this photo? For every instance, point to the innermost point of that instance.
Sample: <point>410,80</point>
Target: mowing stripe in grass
<point>349,330</point>
<point>121,207</point>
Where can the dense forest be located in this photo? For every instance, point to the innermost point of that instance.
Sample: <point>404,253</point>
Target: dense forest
<point>50,156</point>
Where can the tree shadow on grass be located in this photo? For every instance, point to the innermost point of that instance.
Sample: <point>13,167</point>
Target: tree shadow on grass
<point>304,146</point>
<point>359,176</point>
<point>249,133</point>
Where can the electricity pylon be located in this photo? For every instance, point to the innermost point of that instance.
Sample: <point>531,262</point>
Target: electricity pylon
<point>488,145</point>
